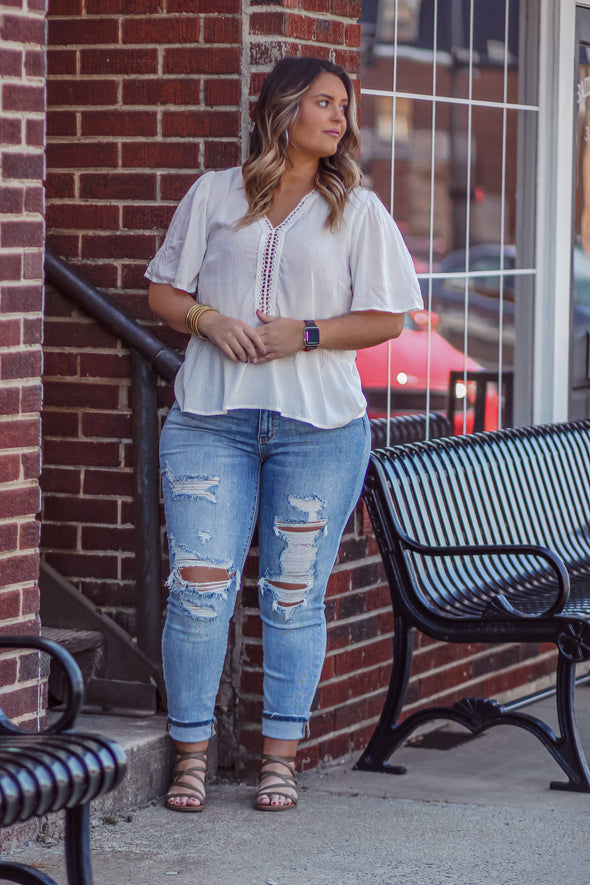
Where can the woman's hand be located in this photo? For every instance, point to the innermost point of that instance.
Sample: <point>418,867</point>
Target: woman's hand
<point>235,338</point>
<point>281,336</point>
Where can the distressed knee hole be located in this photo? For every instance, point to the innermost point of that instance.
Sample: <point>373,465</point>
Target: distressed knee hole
<point>297,559</point>
<point>201,589</point>
<point>288,594</point>
<point>203,574</point>
<point>305,527</point>
<point>290,588</point>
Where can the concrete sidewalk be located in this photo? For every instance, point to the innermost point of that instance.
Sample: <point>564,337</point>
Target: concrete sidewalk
<point>479,813</point>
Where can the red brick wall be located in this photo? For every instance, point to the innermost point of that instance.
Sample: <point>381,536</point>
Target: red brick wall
<point>22,125</point>
<point>140,103</point>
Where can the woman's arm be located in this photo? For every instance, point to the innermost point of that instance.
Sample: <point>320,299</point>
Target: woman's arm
<point>283,336</point>
<point>238,341</point>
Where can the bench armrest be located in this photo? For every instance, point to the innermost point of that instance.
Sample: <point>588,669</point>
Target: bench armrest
<point>500,603</point>
<point>73,684</point>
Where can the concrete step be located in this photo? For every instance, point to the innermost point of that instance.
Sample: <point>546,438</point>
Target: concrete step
<point>149,753</point>
<point>112,694</point>
<point>87,649</point>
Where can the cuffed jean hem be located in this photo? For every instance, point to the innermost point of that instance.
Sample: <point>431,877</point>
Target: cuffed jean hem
<point>284,728</point>
<point>191,732</point>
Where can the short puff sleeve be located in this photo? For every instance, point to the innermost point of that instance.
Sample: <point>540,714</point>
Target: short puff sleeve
<point>382,271</point>
<point>178,261</point>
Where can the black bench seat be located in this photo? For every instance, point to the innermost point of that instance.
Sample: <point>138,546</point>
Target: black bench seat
<point>53,770</point>
<point>486,538</point>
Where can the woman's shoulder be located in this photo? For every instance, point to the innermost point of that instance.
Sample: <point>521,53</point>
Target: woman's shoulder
<point>231,177</point>
<point>364,204</point>
<point>217,179</point>
<point>361,199</point>
<point>209,191</point>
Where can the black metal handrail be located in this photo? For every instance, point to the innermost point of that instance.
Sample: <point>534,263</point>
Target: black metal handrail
<point>150,355</point>
<point>163,359</point>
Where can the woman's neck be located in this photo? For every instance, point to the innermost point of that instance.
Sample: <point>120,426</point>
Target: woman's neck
<point>300,175</point>
<point>296,182</point>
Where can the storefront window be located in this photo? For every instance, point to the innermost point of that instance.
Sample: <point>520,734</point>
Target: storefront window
<point>443,112</point>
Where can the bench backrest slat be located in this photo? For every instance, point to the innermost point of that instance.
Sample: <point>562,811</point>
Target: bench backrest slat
<point>520,486</point>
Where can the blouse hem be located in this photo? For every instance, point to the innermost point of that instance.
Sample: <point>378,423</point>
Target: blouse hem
<point>293,417</point>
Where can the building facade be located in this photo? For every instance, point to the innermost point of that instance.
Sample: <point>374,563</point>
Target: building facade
<point>474,134</point>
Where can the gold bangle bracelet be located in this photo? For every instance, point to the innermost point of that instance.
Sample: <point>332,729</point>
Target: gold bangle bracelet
<point>188,318</point>
<point>192,318</point>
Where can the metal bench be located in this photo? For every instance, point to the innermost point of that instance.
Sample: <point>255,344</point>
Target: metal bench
<point>486,538</point>
<point>408,428</point>
<point>55,769</point>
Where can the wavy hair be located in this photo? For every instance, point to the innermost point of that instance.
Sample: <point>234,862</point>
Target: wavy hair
<point>274,114</point>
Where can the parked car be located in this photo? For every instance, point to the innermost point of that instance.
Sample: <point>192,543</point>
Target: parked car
<point>448,299</point>
<point>408,377</point>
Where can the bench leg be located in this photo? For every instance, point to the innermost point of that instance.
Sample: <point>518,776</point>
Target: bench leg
<point>569,753</point>
<point>479,715</point>
<point>18,872</point>
<point>384,740</point>
<point>77,845</point>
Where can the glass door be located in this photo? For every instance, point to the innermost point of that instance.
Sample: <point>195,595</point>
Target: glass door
<point>580,302</point>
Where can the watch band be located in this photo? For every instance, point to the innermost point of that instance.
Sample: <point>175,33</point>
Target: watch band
<point>311,335</point>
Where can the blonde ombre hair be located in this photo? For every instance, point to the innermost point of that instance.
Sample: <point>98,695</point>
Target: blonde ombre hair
<point>275,113</point>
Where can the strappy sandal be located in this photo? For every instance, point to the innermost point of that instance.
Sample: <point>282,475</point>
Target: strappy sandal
<point>277,783</point>
<point>185,777</point>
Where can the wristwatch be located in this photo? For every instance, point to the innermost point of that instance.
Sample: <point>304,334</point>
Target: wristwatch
<point>311,335</point>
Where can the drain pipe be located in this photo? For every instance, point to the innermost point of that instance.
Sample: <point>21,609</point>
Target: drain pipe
<point>147,508</point>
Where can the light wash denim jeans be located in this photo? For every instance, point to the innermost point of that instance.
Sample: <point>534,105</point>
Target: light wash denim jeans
<point>220,474</point>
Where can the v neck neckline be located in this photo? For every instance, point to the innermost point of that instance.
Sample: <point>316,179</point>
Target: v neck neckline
<point>294,212</point>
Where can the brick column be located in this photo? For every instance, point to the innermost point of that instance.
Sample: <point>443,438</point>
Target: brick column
<point>22,128</point>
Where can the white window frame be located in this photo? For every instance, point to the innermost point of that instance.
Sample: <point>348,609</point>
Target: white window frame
<point>551,365</point>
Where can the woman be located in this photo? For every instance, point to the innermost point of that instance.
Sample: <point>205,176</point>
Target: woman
<point>295,268</point>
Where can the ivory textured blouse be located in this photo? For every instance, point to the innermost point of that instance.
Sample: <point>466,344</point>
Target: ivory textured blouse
<point>298,269</point>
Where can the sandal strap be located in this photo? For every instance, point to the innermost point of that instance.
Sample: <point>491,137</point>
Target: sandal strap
<point>190,785</point>
<point>196,793</point>
<point>197,771</point>
<point>276,791</point>
<point>197,755</point>
<point>276,781</point>
<point>287,761</point>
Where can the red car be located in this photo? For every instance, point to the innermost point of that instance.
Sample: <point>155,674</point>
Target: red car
<point>410,375</point>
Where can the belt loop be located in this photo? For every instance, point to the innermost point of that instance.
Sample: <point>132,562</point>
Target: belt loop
<point>265,424</point>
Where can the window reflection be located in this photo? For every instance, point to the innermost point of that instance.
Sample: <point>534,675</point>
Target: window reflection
<point>442,33</point>
<point>439,147</point>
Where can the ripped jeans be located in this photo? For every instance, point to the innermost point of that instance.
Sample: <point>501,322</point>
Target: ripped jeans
<point>222,473</point>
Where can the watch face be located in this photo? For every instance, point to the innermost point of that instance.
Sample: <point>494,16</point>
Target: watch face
<point>312,336</point>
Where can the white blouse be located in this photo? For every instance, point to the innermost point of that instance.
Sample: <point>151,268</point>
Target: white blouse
<point>298,269</point>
